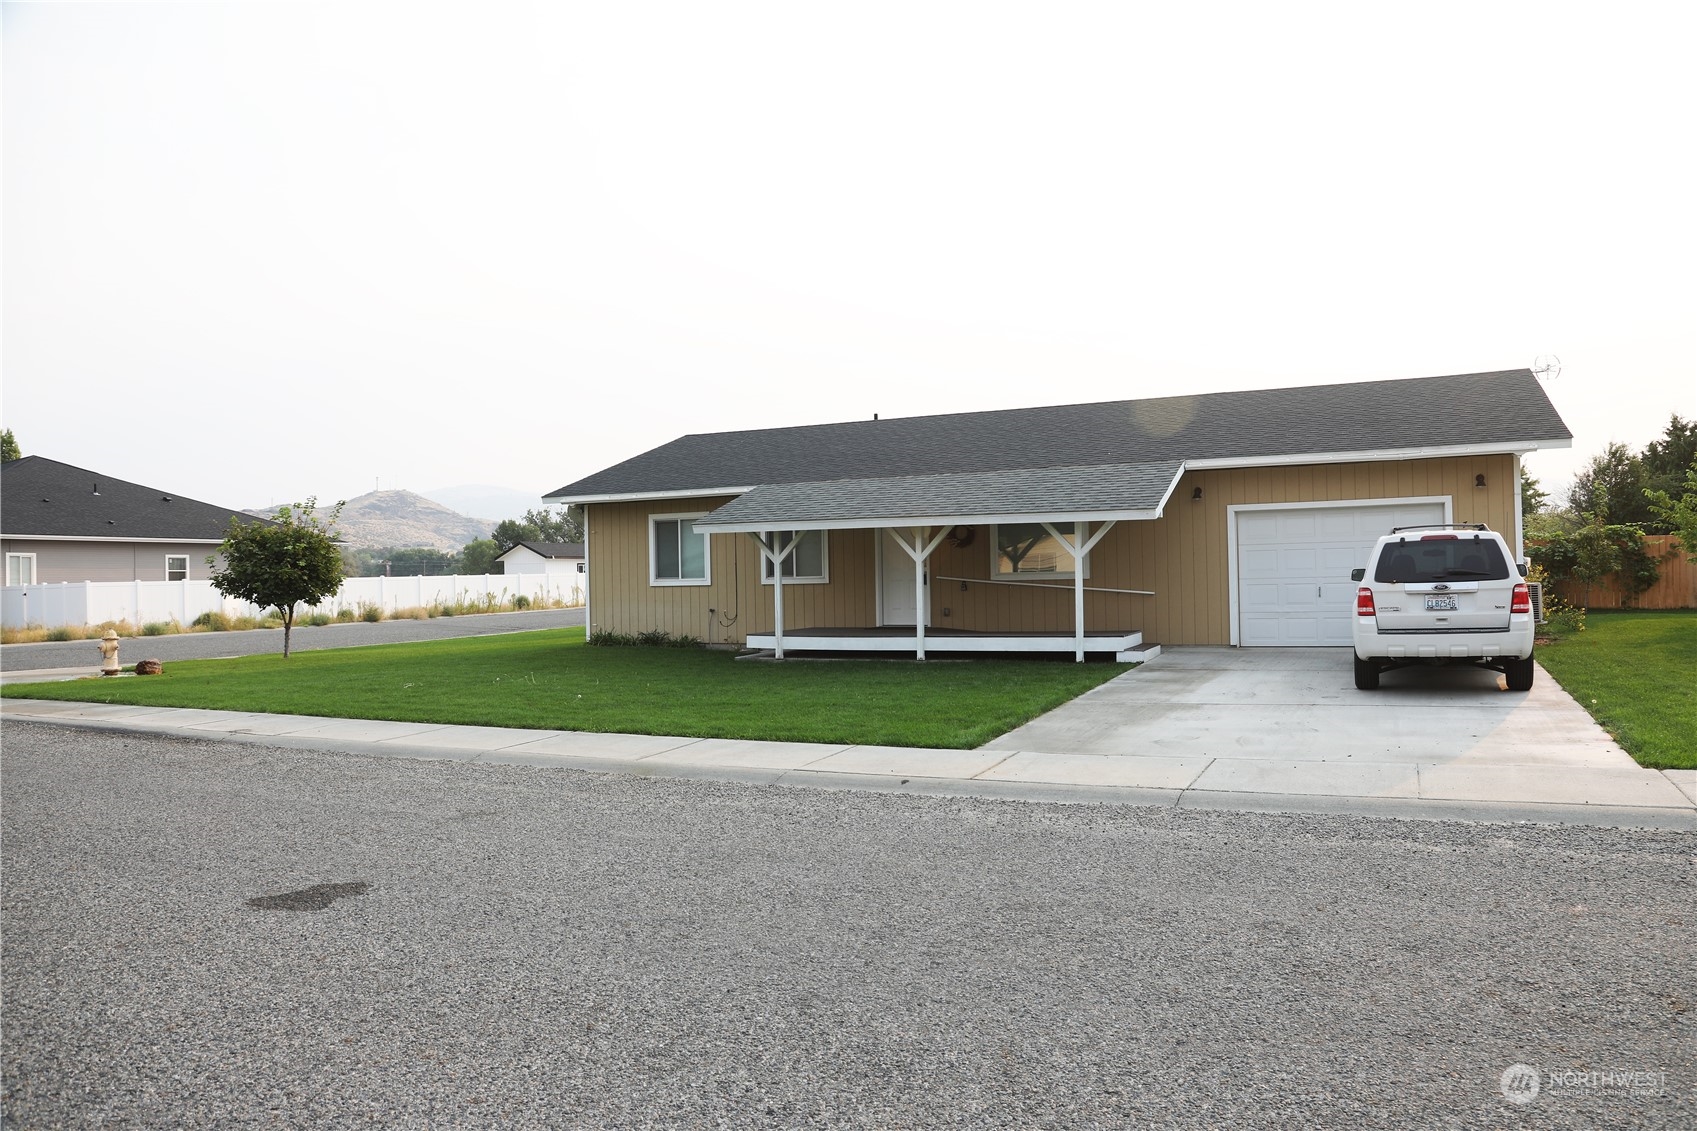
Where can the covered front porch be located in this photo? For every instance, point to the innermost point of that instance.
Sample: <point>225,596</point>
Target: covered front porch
<point>1123,647</point>
<point>1066,510</point>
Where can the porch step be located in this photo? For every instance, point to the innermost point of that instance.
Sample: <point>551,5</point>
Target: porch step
<point>1141,654</point>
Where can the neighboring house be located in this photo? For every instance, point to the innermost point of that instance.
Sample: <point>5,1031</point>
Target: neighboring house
<point>545,557</point>
<point>65,523</point>
<point>1218,518</point>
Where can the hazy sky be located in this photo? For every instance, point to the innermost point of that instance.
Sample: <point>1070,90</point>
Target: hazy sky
<point>253,252</point>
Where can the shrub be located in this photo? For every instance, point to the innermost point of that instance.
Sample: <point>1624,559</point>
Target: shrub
<point>345,615</point>
<point>318,620</point>
<point>1560,618</point>
<point>653,638</point>
<point>521,602</point>
<point>212,621</point>
<point>371,612</point>
<point>160,628</point>
<point>613,639</point>
<point>65,632</point>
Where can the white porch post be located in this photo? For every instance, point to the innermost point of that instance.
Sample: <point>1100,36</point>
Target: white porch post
<point>920,551</point>
<point>1078,546</point>
<point>772,551</point>
<point>1078,529</point>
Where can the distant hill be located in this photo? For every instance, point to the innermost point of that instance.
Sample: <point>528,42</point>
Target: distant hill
<point>403,519</point>
<point>492,503</point>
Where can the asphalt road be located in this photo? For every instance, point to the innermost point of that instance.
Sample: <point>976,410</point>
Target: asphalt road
<point>253,642</point>
<point>540,947</point>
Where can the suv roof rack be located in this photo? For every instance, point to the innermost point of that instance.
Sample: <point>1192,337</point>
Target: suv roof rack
<point>1441,526</point>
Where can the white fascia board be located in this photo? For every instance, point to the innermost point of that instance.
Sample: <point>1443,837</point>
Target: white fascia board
<point>81,538</point>
<point>646,496</point>
<point>1377,455</point>
<point>898,521</point>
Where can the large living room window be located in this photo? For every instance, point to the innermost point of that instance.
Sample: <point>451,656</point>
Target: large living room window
<point>677,551</point>
<point>806,564</point>
<point>1025,549</point>
<point>20,569</point>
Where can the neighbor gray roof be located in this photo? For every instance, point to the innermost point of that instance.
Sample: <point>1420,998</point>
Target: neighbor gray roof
<point>1506,409</point>
<point>44,498</point>
<point>1112,490</point>
<point>550,549</point>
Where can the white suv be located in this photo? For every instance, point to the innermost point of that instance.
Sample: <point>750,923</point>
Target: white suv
<point>1442,594</point>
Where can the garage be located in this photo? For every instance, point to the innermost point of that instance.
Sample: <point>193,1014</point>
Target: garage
<point>1292,563</point>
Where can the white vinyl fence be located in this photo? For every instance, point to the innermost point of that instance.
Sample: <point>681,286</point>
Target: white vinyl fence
<point>143,602</point>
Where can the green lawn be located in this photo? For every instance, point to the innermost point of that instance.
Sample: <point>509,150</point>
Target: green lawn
<point>1637,675</point>
<point>551,680</point>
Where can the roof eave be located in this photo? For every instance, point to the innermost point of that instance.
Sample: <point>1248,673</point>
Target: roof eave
<point>881,522</point>
<point>108,538</point>
<point>1505,448</point>
<point>646,496</point>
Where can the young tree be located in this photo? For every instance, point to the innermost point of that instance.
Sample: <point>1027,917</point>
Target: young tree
<point>1532,496</point>
<point>478,558</point>
<point>540,525</point>
<point>1678,513</point>
<point>9,449</point>
<point>281,563</point>
<point>1611,488</point>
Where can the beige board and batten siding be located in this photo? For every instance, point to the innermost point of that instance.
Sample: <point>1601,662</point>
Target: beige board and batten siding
<point>735,602</point>
<point>1183,557</point>
<point>67,560</point>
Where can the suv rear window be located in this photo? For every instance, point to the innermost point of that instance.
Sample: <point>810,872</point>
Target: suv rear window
<point>1441,559</point>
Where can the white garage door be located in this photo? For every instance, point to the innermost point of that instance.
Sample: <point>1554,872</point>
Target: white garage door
<point>1293,586</point>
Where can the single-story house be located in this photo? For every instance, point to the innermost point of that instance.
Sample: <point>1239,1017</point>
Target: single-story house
<point>64,523</point>
<point>1218,518</point>
<point>545,557</point>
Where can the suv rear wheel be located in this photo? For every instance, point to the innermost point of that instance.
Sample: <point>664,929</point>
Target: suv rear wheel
<point>1367,675</point>
<point>1519,673</point>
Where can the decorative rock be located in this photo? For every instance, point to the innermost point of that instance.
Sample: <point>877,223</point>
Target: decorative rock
<point>149,667</point>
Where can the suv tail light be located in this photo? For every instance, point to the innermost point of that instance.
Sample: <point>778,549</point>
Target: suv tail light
<point>1364,602</point>
<point>1521,602</point>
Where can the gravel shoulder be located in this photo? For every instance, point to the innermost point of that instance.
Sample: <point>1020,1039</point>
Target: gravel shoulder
<point>259,641</point>
<point>543,947</point>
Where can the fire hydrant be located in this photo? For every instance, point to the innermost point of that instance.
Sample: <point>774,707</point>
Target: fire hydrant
<point>109,653</point>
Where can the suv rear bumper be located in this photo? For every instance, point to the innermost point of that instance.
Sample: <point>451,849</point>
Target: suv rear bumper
<point>1515,643</point>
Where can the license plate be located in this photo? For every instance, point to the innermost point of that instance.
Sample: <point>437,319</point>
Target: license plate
<point>1440,604</point>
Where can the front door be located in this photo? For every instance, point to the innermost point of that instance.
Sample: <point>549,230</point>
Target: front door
<point>895,584</point>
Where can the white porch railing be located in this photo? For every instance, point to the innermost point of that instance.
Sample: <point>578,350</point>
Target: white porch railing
<point>144,602</point>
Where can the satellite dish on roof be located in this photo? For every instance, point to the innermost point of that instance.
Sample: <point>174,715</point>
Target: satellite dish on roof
<point>1547,366</point>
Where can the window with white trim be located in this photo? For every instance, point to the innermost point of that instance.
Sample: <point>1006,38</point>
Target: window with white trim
<point>807,564</point>
<point>176,567</point>
<point>20,569</point>
<point>1026,549</point>
<point>677,551</point>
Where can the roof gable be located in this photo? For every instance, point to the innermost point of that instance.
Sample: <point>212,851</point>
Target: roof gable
<point>1506,409</point>
<point>44,498</point>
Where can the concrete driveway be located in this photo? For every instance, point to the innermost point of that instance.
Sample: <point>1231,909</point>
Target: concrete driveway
<point>1290,720</point>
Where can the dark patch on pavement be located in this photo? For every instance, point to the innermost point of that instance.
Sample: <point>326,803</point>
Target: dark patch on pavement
<point>316,898</point>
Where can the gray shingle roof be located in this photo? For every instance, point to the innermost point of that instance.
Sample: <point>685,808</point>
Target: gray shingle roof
<point>44,498</point>
<point>1025,493</point>
<point>551,549</point>
<point>1506,408</point>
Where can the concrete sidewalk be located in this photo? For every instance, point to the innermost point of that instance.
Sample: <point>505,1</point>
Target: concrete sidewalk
<point>1593,788</point>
